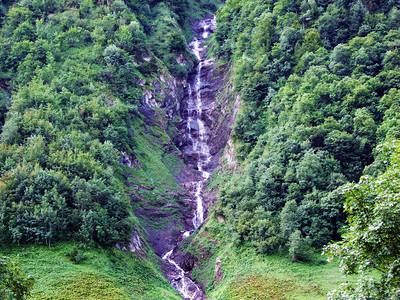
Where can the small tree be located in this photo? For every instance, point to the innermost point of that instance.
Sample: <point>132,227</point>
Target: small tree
<point>372,238</point>
<point>289,219</point>
<point>299,248</point>
<point>113,55</point>
<point>13,283</point>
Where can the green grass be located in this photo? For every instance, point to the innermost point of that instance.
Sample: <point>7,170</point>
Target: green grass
<point>250,275</point>
<point>65,271</point>
<point>174,163</point>
<point>276,277</point>
<point>152,180</point>
<point>151,146</point>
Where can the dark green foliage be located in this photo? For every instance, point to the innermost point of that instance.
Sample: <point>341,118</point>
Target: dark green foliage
<point>168,41</point>
<point>77,255</point>
<point>319,82</point>
<point>299,248</point>
<point>4,104</point>
<point>73,70</point>
<point>289,219</point>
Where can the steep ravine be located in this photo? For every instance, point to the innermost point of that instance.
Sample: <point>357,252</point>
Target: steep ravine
<point>196,149</point>
<point>185,131</point>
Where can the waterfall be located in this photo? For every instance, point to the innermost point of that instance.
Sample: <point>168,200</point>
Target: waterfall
<point>196,134</point>
<point>195,115</point>
<point>182,283</point>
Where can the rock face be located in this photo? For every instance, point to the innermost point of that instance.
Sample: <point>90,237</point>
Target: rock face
<point>135,245</point>
<point>165,238</point>
<point>208,111</point>
<point>218,271</point>
<point>219,112</point>
<point>193,141</point>
<point>165,93</point>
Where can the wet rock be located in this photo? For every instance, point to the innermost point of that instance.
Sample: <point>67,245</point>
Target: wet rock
<point>161,219</point>
<point>198,25</point>
<point>165,93</point>
<point>194,145</point>
<point>135,245</point>
<point>135,199</point>
<point>221,219</point>
<point>194,125</point>
<point>129,161</point>
<point>140,81</point>
<point>219,114</point>
<point>180,279</point>
<point>186,260</point>
<point>219,276</point>
<point>147,57</point>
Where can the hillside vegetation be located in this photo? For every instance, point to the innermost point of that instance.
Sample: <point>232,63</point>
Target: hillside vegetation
<point>319,81</point>
<point>72,271</point>
<point>320,90</point>
<point>73,71</point>
<point>73,75</point>
<point>89,102</point>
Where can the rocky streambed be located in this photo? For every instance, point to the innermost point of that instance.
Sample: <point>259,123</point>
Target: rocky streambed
<point>194,144</point>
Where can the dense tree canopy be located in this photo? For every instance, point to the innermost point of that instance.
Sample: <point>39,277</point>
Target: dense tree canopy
<point>320,87</point>
<point>72,76</point>
<point>319,84</point>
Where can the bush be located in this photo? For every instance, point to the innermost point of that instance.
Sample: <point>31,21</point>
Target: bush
<point>13,283</point>
<point>299,247</point>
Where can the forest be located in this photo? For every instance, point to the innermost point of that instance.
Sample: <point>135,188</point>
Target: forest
<point>319,81</point>
<point>73,72</point>
<point>316,141</point>
<point>72,77</point>
<point>317,100</point>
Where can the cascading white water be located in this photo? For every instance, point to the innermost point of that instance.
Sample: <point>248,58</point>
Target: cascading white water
<point>196,133</point>
<point>195,111</point>
<point>182,283</point>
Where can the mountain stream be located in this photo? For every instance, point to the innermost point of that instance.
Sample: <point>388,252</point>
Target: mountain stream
<point>196,135</point>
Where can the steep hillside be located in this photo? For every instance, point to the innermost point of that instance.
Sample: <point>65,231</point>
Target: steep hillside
<point>125,125</point>
<point>315,104</point>
<point>319,87</point>
<point>90,102</point>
